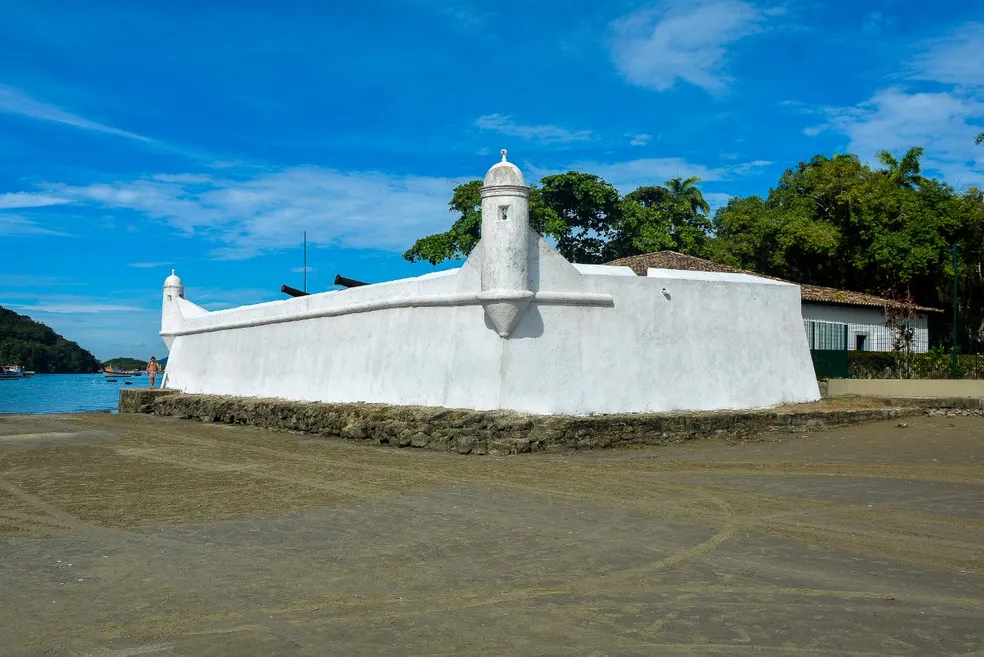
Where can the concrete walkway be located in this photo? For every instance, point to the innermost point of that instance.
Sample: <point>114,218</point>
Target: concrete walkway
<point>137,535</point>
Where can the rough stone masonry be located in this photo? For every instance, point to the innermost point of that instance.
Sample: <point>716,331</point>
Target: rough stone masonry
<point>505,432</point>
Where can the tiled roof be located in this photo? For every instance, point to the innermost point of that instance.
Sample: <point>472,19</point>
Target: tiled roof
<point>815,293</point>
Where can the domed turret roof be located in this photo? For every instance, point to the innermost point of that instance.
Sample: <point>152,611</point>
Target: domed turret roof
<point>504,173</point>
<point>172,280</point>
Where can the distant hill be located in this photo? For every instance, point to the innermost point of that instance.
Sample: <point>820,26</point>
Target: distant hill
<point>118,364</point>
<point>34,346</point>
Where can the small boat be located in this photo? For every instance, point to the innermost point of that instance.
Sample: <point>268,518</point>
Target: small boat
<point>27,373</point>
<point>112,374</point>
<point>11,372</point>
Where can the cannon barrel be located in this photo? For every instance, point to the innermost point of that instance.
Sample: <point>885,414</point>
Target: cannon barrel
<point>347,282</point>
<point>292,291</point>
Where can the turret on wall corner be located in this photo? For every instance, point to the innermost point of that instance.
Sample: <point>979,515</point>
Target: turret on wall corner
<point>505,240</point>
<point>171,313</point>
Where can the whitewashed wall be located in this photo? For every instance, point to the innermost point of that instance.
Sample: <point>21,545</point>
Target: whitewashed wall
<point>870,322</point>
<point>670,341</point>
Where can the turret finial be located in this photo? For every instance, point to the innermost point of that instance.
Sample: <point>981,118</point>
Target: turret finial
<point>172,272</point>
<point>503,151</point>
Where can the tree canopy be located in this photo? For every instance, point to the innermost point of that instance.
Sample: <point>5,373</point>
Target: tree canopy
<point>837,222</point>
<point>830,220</point>
<point>124,364</point>
<point>36,347</point>
<point>586,218</point>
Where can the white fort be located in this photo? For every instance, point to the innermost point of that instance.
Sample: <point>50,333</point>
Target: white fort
<point>516,327</point>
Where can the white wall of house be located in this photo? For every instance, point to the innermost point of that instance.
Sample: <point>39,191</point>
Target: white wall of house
<point>868,322</point>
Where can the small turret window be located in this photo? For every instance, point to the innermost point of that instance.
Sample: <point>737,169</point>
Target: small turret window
<point>503,212</point>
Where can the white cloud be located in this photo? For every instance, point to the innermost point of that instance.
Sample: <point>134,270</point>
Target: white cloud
<point>876,22</point>
<point>107,326</point>
<point>944,122</point>
<point>31,282</point>
<point>15,101</point>
<point>262,211</point>
<point>213,298</point>
<point>23,200</point>
<point>149,265</point>
<point>251,214</point>
<point>300,270</point>
<point>73,308</point>
<point>896,119</point>
<point>639,140</point>
<point>955,59</point>
<point>682,41</point>
<point>748,167</point>
<point>631,174</point>
<point>11,224</point>
<point>547,134</point>
<point>716,199</point>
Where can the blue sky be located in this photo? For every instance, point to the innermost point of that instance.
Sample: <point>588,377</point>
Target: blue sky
<point>205,137</point>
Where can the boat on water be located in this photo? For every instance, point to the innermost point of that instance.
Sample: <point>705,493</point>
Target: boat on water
<point>27,374</point>
<point>113,374</point>
<point>8,372</point>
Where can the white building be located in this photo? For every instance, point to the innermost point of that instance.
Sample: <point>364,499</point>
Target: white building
<point>864,314</point>
<point>516,327</point>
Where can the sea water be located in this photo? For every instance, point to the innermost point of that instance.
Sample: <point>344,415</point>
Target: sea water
<point>65,393</point>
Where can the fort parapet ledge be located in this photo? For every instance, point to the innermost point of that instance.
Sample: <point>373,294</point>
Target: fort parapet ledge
<point>501,432</point>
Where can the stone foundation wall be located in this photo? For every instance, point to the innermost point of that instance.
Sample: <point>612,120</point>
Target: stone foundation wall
<point>492,432</point>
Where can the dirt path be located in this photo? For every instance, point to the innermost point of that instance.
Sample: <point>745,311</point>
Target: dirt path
<point>126,535</point>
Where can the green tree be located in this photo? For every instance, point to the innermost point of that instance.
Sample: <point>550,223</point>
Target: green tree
<point>582,212</point>
<point>686,193</point>
<point>688,214</point>
<point>905,172</point>
<point>969,208</point>
<point>464,233</point>
<point>646,225</point>
<point>835,221</point>
<point>670,216</point>
<point>586,218</point>
<point>579,211</point>
<point>36,347</point>
<point>124,363</point>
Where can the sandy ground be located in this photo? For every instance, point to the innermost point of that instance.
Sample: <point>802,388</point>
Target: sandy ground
<point>135,535</point>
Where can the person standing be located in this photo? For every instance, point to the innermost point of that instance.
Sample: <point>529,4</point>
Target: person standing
<point>152,370</point>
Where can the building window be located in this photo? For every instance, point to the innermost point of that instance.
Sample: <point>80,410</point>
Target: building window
<point>859,340</point>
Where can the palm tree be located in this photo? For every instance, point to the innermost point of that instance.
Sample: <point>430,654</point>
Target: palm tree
<point>904,172</point>
<point>688,194</point>
<point>688,215</point>
<point>979,139</point>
